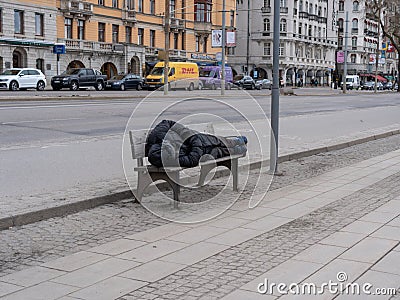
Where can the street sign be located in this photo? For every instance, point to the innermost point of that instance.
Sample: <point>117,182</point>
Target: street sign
<point>59,49</point>
<point>218,56</point>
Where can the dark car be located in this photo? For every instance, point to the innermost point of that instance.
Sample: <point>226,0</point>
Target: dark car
<point>388,85</point>
<point>125,81</point>
<point>368,85</point>
<point>245,82</point>
<point>77,78</point>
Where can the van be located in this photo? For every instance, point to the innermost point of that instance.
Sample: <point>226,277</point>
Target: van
<point>181,75</point>
<point>353,82</point>
<point>211,76</point>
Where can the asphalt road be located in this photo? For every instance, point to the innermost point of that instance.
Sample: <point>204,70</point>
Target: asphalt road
<point>49,146</point>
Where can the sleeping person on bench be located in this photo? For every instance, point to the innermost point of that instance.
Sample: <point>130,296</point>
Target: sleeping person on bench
<point>171,144</point>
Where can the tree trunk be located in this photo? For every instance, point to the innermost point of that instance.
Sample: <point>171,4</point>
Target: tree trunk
<point>398,75</point>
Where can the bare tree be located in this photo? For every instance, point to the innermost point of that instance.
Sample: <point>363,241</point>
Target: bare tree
<point>387,13</point>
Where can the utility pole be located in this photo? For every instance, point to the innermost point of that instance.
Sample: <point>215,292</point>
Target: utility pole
<point>273,169</point>
<point>166,61</point>
<point>248,37</point>
<point>346,37</point>
<point>223,49</point>
<point>377,54</point>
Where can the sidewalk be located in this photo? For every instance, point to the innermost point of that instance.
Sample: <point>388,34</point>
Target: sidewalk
<point>346,220</point>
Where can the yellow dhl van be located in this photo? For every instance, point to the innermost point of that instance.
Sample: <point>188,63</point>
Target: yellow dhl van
<point>181,75</point>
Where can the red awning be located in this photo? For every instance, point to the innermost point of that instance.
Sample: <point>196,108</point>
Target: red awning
<point>380,78</point>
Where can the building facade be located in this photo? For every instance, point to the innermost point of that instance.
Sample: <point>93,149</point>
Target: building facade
<point>308,40</point>
<point>114,36</point>
<point>27,35</point>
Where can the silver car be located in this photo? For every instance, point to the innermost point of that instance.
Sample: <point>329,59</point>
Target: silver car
<point>263,84</point>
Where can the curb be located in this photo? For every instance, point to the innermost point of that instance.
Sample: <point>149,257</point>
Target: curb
<point>66,209</point>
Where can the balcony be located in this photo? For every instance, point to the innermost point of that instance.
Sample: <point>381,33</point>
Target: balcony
<point>177,24</point>
<point>303,15</point>
<point>313,17</point>
<point>284,9</point>
<point>129,16</point>
<point>354,31</point>
<point>202,27</point>
<point>266,9</point>
<point>177,53</point>
<point>76,8</point>
<point>90,46</point>
<point>322,20</point>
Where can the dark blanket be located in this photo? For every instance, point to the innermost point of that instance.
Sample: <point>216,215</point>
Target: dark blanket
<point>172,144</point>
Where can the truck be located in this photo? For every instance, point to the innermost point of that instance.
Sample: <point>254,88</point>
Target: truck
<point>77,78</point>
<point>211,76</point>
<point>352,82</point>
<point>181,75</point>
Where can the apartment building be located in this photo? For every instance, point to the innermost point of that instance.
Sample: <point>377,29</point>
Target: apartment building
<point>27,35</point>
<point>127,35</point>
<point>308,40</point>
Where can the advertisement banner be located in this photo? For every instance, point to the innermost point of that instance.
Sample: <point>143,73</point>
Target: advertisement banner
<point>230,38</point>
<point>216,38</point>
<point>340,57</point>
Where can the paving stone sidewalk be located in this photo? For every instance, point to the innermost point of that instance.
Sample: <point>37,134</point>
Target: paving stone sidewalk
<point>346,220</point>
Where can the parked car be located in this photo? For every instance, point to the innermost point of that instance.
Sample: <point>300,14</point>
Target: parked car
<point>77,78</point>
<point>264,84</point>
<point>211,76</point>
<point>245,82</point>
<point>388,85</point>
<point>22,79</point>
<point>370,85</point>
<point>125,81</point>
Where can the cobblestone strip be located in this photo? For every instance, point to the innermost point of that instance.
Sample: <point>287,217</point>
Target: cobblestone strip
<point>227,271</point>
<point>33,244</point>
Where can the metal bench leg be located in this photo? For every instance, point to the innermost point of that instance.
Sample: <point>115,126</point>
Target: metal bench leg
<point>176,188</point>
<point>235,173</point>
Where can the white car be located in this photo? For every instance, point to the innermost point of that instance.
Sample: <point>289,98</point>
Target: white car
<point>26,78</point>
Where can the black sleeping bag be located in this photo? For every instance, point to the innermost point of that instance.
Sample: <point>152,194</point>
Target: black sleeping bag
<point>172,144</point>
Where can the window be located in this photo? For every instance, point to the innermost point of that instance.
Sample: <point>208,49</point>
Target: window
<point>101,2</point>
<point>39,24</point>
<point>354,42</point>
<point>355,24</point>
<point>202,10</point>
<point>294,26</point>
<point>309,30</point>
<point>140,6</point>
<point>353,58</point>
<point>300,27</point>
<point>68,28</point>
<point>232,18</point>
<point>18,21</point>
<point>115,34</point>
<point>128,34</point>
<point>176,40</point>
<point>40,64</point>
<point>267,25</point>
<point>301,5</point>
<point>197,43</point>
<point>115,3</point>
<point>1,22</point>
<point>152,7</point>
<point>340,25</point>
<point>205,44</point>
<point>283,3</point>
<point>356,6</point>
<point>267,3</point>
<point>81,29</point>
<point>140,36</point>
<point>283,25</point>
<point>152,38</point>
<point>281,49</point>
<point>130,4</point>
<point>172,8</point>
<point>341,5</point>
<point>183,40</point>
<point>101,32</point>
<point>267,49</point>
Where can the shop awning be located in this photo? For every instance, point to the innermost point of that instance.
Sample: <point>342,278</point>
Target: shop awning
<point>379,77</point>
<point>26,42</point>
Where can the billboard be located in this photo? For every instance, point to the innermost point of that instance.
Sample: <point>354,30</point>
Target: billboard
<point>216,38</point>
<point>340,57</point>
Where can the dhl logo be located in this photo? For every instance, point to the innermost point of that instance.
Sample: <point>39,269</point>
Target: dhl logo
<point>188,71</point>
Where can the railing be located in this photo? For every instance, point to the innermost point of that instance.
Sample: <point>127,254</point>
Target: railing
<point>179,53</point>
<point>77,7</point>
<point>266,9</point>
<point>313,17</point>
<point>87,45</point>
<point>129,15</point>
<point>322,20</point>
<point>354,30</point>
<point>303,15</point>
<point>284,9</point>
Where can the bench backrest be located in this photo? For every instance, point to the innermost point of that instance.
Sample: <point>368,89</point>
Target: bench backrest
<point>138,139</point>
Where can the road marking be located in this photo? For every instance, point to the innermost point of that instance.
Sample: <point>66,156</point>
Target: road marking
<point>49,120</point>
<point>64,105</point>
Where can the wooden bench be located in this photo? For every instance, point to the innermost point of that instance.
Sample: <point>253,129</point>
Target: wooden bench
<point>147,173</point>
